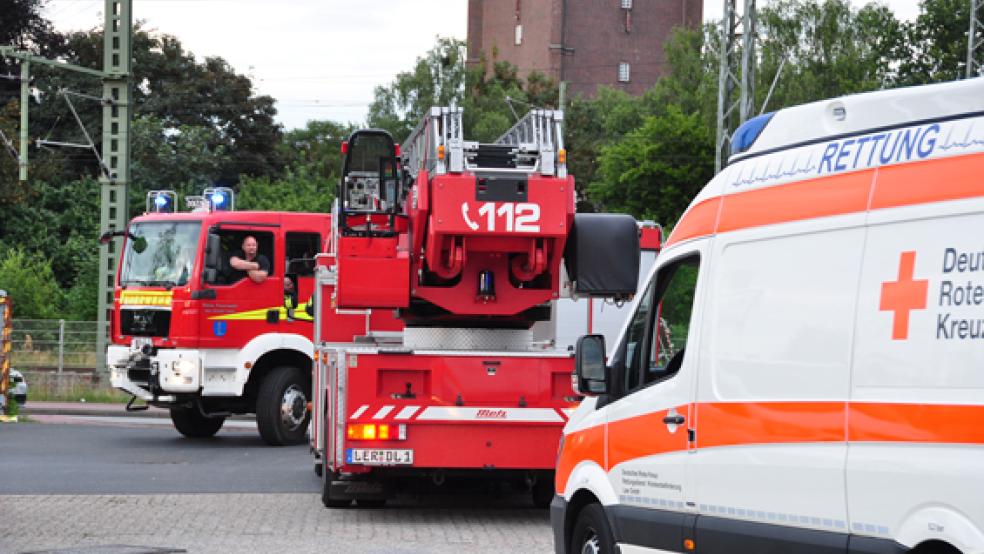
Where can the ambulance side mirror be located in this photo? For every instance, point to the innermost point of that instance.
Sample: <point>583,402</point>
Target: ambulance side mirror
<point>590,372</point>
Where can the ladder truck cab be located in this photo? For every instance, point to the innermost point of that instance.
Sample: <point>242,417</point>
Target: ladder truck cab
<point>467,243</point>
<point>192,333</point>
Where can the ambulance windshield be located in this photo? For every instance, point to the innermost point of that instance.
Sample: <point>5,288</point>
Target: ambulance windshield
<point>165,257</point>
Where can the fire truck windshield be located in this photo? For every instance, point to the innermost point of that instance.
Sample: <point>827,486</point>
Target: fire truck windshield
<point>169,255</point>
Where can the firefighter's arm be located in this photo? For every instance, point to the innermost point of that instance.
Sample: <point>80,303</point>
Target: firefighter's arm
<point>242,265</point>
<point>262,269</point>
<point>257,275</point>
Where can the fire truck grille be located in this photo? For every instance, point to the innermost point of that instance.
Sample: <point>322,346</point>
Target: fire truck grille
<point>145,323</point>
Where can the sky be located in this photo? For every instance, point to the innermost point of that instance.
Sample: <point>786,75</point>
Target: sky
<point>320,59</point>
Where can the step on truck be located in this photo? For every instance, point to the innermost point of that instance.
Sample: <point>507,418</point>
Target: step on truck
<point>803,370</point>
<point>191,333</point>
<point>470,245</point>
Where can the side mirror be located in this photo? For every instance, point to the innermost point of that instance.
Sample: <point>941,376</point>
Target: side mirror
<point>213,249</point>
<point>139,245</point>
<point>590,372</point>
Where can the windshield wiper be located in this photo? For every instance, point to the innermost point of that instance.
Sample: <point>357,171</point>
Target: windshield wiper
<point>144,283</point>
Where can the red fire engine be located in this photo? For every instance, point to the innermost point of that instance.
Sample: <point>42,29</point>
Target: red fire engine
<point>470,244</point>
<point>192,334</point>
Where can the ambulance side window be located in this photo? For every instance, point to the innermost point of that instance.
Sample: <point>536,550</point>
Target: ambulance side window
<point>657,335</point>
<point>677,284</point>
<point>635,338</point>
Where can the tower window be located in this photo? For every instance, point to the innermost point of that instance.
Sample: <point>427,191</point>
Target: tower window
<point>623,72</point>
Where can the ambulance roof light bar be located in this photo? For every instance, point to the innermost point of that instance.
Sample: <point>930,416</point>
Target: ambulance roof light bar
<point>162,201</point>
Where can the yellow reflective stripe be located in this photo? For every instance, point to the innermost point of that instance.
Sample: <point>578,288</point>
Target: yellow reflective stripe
<point>146,297</point>
<point>261,314</point>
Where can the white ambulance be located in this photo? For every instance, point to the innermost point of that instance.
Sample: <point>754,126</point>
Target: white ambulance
<point>804,369</point>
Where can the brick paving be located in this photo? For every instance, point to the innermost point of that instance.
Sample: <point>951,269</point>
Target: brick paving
<point>296,523</point>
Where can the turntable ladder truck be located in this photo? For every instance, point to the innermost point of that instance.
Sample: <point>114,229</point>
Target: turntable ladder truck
<point>467,243</point>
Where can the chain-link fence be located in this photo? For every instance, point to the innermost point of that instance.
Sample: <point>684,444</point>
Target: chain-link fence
<point>58,360</point>
<point>54,345</point>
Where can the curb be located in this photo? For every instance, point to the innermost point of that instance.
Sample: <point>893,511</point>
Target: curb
<point>104,411</point>
<point>29,410</point>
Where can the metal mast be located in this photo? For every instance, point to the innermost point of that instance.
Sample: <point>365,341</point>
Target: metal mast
<point>975,40</point>
<point>115,160</point>
<point>115,179</point>
<point>735,75</point>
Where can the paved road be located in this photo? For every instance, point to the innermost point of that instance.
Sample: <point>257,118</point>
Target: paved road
<point>81,483</point>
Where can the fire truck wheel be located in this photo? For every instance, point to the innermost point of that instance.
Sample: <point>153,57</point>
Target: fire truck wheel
<point>326,497</point>
<point>318,468</point>
<point>281,407</point>
<point>191,423</point>
<point>371,503</point>
<point>591,533</point>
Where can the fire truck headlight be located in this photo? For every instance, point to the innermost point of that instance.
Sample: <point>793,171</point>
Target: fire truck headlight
<point>184,370</point>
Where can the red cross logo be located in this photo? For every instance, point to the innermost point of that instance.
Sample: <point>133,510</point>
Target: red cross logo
<point>903,296</point>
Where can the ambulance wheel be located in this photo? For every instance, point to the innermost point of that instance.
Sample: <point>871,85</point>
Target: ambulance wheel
<point>192,424</point>
<point>281,407</point>
<point>326,497</point>
<point>591,532</point>
<point>542,492</point>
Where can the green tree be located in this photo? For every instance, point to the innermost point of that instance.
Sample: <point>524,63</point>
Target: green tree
<point>28,279</point>
<point>173,87</point>
<point>492,98</point>
<point>437,79</point>
<point>830,49</point>
<point>184,158</point>
<point>58,222</point>
<point>937,43</point>
<point>655,171</point>
<point>309,184</point>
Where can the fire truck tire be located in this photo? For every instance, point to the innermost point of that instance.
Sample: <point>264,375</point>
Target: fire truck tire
<point>326,497</point>
<point>192,424</point>
<point>281,407</point>
<point>371,503</point>
<point>591,532</point>
<point>318,468</point>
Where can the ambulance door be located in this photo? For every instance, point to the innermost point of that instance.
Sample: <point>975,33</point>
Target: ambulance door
<point>772,387</point>
<point>241,308</point>
<point>650,415</point>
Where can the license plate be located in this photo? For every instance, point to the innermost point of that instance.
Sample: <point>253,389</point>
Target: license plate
<point>378,457</point>
<point>138,342</point>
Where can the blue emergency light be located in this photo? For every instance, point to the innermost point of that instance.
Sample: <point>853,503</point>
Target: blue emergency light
<point>161,201</point>
<point>220,199</point>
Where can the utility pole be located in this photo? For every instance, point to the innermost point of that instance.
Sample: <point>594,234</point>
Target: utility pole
<point>115,180</point>
<point>735,75</point>
<point>25,91</point>
<point>975,40</point>
<point>115,162</point>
